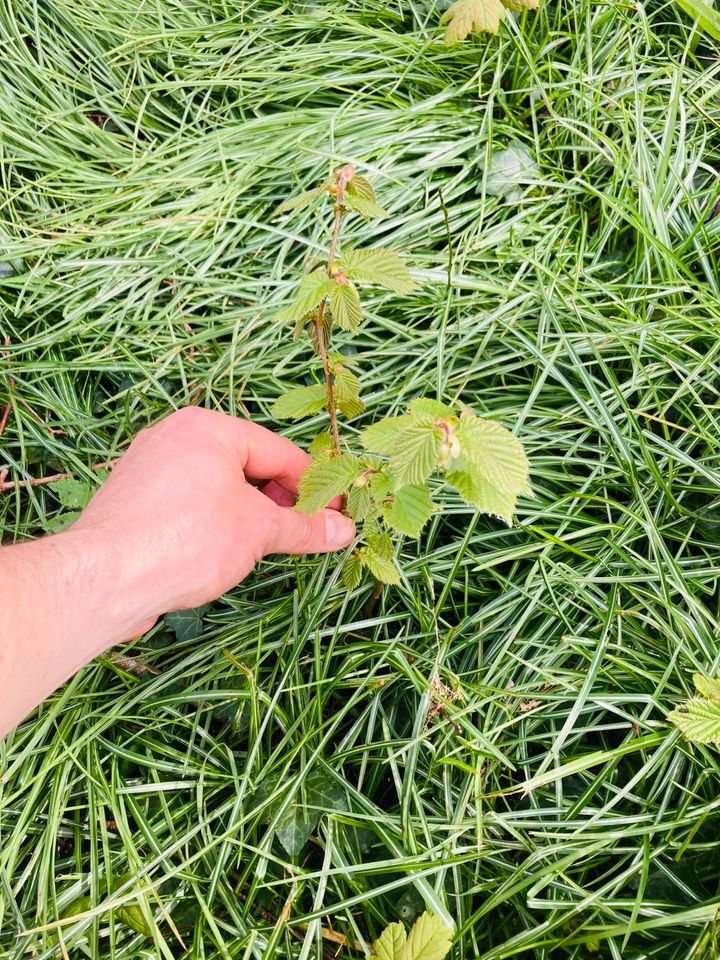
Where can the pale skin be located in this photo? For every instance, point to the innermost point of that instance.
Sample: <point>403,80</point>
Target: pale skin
<point>186,513</point>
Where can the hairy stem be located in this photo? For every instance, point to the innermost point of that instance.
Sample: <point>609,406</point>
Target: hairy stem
<point>343,176</point>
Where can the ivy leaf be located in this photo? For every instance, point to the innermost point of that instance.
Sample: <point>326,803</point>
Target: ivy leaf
<point>321,445</point>
<point>314,287</point>
<point>381,437</point>
<point>358,502</point>
<point>496,453</point>
<point>426,407</point>
<point>360,187</point>
<point>351,573</point>
<point>301,201</point>
<point>326,479</point>
<point>391,943</point>
<point>707,687</point>
<point>415,455</point>
<point>366,208</point>
<point>347,388</point>
<point>467,15</point>
<point>346,306</point>
<point>73,494</point>
<point>298,817</point>
<point>410,509</point>
<point>379,265</point>
<point>698,719</point>
<point>381,566</point>
<point>475,490</point>
<point>187,624</point>
<point>300,402</point>
<point>429,939</point>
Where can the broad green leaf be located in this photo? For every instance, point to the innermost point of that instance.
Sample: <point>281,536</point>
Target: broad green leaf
<point>345,306</point>
<point>379,265</point>
<point>73,494</point>
<point>360,187</point>
<point>132,915</point>
<point>298,816</point>
<point>391,942</point>
<point>321,445</point>
<point>511,171</point>
<point>325,479</point>
<point>314,287</point>
<point>346,387</point>
<point>187,624</point>
<point>382,436</point>
<point>62,520</point>
<point>358,502</point>
<point>698,719</point>
<point>517,6</point>
<point>381,567</point>
<point>468,15</point>
<point>410,509</point>
<point>300,402</point>
<point>415,455</point>
<point>302,200</point>
<point>366,208</point>
<point>351,573</point>
<point>381,485</point>
<point>495,452</point>
<point>475,490</point>
<point>707,687</point>
<point>429,939</point>
<point>426,407</point>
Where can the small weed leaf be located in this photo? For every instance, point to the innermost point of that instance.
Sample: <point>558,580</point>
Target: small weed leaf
<point>429,939</point>
<point>476,490</point>
<point>187,624</point>
<point>298,816</point>
<point>72,494</point>
<point>415,454</point>
<point>382,437</point>
<point>707,687</point>
<point>300,402</point>
<point>351,572</point>
<point>346,307</point>
<point>495,452</point>
<point>698,720</point>
<point>391,943</point>
<point>302,200</point>
<point>314,287</point>
<point>366,208</point>
<point>379,265</point>
<point>326,479</point>
<point>467,15</point>
<point>409,510</point>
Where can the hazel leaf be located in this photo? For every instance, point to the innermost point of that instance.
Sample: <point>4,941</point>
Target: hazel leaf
<point>382,567</point>
<point>346,387</point>
<point>366,208</point>
<point>707,687</point>
<point>360,187</point>
<point>415,454</point>
<point>314,288</point>
<point>698,720</point>
<point>382,436</point>
<point>324,480</point>
<point>410,509</point>
<point>475,490</point>
<point>379,265</point>
<point>496,453</point>
<point>351,573</point>
<point>301,200</point>
<point>300,402</point>
<point>346,306</point>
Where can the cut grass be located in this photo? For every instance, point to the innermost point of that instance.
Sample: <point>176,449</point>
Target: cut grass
<point>497,728</point>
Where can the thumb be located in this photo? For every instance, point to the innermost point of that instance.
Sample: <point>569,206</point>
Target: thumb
<point>320,532</point>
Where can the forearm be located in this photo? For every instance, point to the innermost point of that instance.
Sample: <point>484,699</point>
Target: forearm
<point>63,600</point>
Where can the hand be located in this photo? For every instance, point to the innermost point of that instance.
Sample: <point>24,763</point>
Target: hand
<point>200,497</point>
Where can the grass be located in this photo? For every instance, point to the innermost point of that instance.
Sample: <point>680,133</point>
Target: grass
<point>491,742</point>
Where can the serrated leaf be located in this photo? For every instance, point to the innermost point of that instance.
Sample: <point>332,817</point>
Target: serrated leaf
<point>415,455</point>
<point>467,15</point>
<point>382,436</point>
<point>346,306</point>
<point>380,265</point>
<point>391,942</point>
<point>381,567</point>
<point>429,939</point>
<point>314,287</point>
<point>358,502</point>
<point>301,200</point>
<point>410,509</point>
<point>381,485</point>
<point>698,720</point>
<point>351,573</point>
<point>707,687</point>
<point>495,452</point>
<point>362,188</point>
<point>73,494</point>
<point>366,208</point>
<point>326,479</point>
<point>300,402</point>
<point>346,387</point>
<point>321,445</point>
<point>426,407</point>
<point>475,490</point>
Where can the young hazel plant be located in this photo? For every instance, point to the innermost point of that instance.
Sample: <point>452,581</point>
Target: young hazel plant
<point>385,484</point>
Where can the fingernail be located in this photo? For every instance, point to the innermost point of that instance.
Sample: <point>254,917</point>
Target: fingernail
<point>339,530</point>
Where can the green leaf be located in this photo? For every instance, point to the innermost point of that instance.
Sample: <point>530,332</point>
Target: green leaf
<point>496,453</point>
<point>391,942</point>
<point>57,523</point>
<point>300,402</point>
<point>346,387</point>
<point>187,624</point>
<point>410,509</point>
<point>321,445</point>
<point>698,719</point>
<point>73,494</point>
<point>314,287</point>
<point>358,502</point>
<point>132,915</point>
<point>426,407</point>
<point>360,187</point>
<point>415,455</point>
<point>381,485</point>
<point>301,200</point>
<point>429,939</point>
<point>325,479</point>
<point>467,15</point>
<point>381,437</point>
<point>351,573</point>
<point>298,817</point>
<point>379,265</point>
<point>707,687</point>
<point>366,208</point>
<point>346,306</point>
<point>383,568</point>
<point>475,490</point>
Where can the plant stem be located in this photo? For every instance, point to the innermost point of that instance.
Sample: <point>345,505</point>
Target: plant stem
<point>343,175</point>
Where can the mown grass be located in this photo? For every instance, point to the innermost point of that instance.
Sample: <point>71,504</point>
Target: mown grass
<point>496,727</point>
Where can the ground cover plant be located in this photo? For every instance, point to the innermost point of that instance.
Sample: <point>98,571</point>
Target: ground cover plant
<point>282,774</point>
